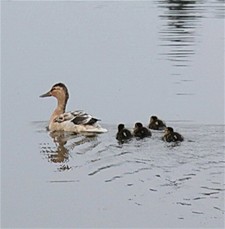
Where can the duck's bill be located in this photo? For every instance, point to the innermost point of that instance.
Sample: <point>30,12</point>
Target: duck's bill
<point>46,94</point>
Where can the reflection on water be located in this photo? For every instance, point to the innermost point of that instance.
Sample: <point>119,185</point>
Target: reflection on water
<point>179,34</point>
<point>182,21</point>
<point>58,154</point>
<point>64,142</point>
<point>218,8</point>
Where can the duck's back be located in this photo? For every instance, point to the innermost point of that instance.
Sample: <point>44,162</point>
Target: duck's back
<point>157,125</point>
<point>124,134</point>
<point>76,122</point>
<point>142,132</point>
<point>173,137</point>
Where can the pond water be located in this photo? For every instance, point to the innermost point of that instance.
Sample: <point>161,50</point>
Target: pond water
<point>122,61</point>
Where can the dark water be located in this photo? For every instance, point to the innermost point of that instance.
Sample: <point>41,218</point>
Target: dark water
<point>170,52</point>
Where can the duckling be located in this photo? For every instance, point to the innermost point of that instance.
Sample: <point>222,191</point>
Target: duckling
<point>156,124</point>
<point>76,121</point>
<point>171,136</point>
<point>123,134</point>
<point>140,131</point>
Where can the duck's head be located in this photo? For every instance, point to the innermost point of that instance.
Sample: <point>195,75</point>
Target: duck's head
<point>168,130</point>
<point>153,118</point>
<point>138,125</point>
<point>120,127</point>
<point>59,91</point>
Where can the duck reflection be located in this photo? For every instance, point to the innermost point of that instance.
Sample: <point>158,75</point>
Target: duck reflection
<point>64,143</point>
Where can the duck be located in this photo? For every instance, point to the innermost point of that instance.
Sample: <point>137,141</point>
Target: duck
<point>123,134</point>
<point>75,121</point>
<point>171,136</point>
<point>156,124</point>
<point>140,131</point>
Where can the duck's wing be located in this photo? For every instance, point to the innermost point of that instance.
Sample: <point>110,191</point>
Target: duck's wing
<point>177,137</point>
<point>77,118</point>
<point>82,118</point>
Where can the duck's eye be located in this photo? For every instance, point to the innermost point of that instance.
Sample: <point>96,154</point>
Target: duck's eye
<point>54,88</point>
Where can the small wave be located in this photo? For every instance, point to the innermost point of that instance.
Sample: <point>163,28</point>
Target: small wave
<point>103,168</point>
<point>213,189</point>
<point>63,181</point>
<point>217,208</point>
<point>184,204</point>
<point>209,193</point>
<point>199,198</point>
<point>197,212</point>
<point>114,178</point>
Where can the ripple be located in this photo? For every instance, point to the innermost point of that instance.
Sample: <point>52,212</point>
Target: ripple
<point>126,173</point>
<point>197,212</point>
<point>153,190</point>
<point>112,179</point>
<point>184,203</point>
<point>63,181</point>
<point>209,193</point>
<point>185,178</point>
<point>199,198</point>
<point>104,168</point>
<point>136,171</point>
<point>217,208</point>
<point>122,154</point>
<point>214,189</point>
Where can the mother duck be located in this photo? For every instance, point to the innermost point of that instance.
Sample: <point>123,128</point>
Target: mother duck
<point>76,121</point>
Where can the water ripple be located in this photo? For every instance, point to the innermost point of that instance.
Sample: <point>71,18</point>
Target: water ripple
<point>196,212</point>
<point>184,203</point>
<point>214,189</point>
<point>209,193</point>
<point>103,168</point>
<point>217,208</point>
<point>149,170</point>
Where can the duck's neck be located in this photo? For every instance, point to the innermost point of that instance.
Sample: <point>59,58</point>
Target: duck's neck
<point>60,109</point>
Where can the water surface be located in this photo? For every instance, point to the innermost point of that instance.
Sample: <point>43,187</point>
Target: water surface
<point>68,181</point>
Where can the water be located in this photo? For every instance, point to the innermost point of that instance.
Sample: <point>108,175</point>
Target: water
<point>78,181</point>
<point>164,50</point>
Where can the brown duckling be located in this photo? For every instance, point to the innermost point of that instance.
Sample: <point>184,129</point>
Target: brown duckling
<point>171,136</point>
<point>156,124</point>
<point>123,134</point>
<point>140,131</point>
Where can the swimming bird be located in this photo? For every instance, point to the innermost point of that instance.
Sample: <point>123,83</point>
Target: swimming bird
<point>171,136</point>
<point>140,131</point>
<point>76,121</point>
<point>123,134</point>
<point>156,124</point>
